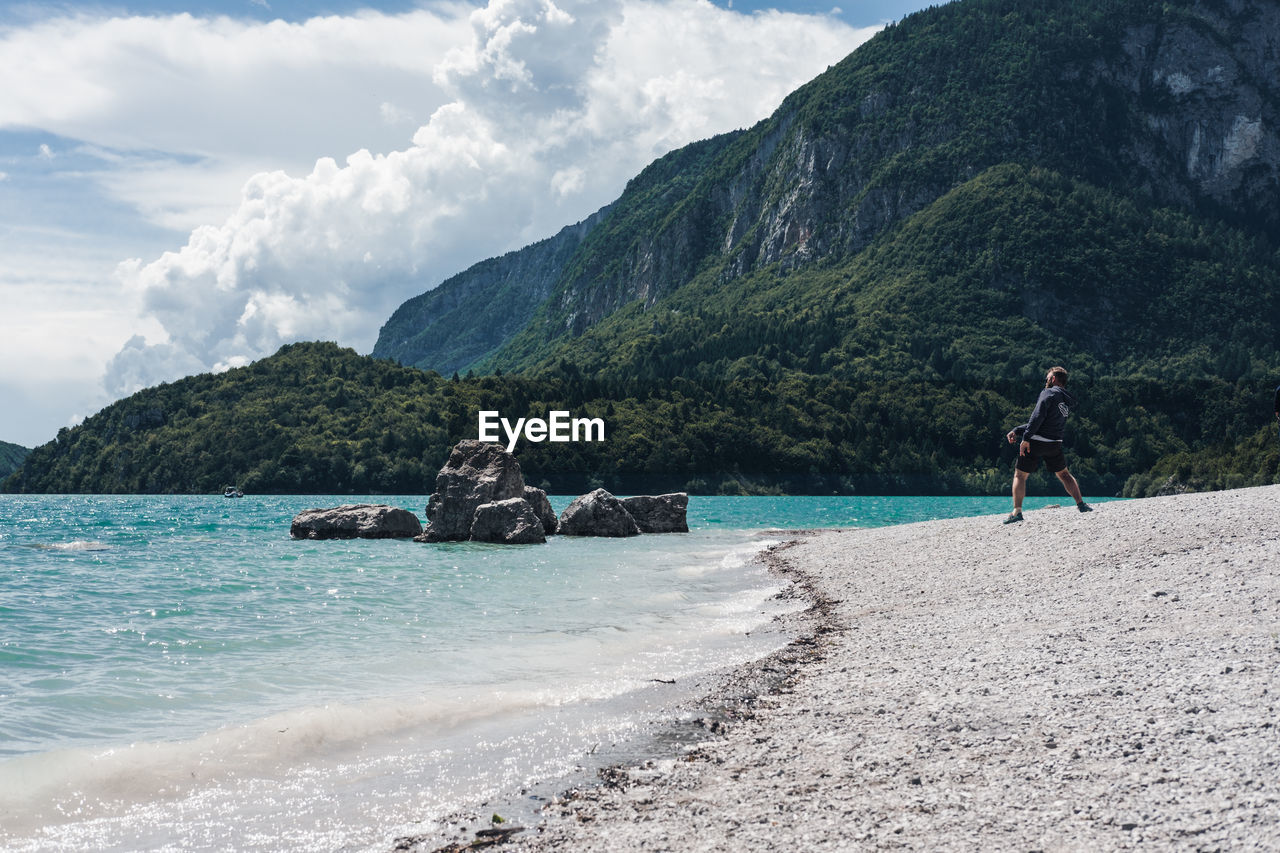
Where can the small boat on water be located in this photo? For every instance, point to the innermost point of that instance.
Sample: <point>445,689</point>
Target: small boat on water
<point>232,492</point>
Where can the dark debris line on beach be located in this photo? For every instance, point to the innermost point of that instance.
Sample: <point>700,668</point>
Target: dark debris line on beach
<point>484,838</point>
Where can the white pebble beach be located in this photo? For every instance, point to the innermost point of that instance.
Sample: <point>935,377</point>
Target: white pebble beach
<point>1078,681</point>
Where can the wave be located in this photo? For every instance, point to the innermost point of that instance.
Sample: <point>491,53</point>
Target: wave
<point>241,788</point>
<point>77,545</point>
<point>735,557</point>
<point>124,784</point>
<point>36,790</point>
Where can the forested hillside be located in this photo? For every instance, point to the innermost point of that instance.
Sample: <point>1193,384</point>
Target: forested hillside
<point>1233,464</point>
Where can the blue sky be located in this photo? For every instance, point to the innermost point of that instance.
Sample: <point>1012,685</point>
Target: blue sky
<point>187,186</point>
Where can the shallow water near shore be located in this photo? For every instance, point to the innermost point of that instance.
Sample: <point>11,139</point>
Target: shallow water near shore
<point>177,671</point>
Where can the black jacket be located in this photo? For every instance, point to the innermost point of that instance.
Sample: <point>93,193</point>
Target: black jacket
<point>1049,417</point>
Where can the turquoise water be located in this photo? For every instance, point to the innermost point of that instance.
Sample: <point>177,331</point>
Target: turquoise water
<point>177,670</point>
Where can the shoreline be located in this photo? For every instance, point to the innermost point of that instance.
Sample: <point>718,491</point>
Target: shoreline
<point>1098,681</point>
<point>706,705</point>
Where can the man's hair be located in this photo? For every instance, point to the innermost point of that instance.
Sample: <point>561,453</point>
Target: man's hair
<point>1060,373</point>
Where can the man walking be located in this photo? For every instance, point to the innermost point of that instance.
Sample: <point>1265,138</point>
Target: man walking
<point>1042,439</point>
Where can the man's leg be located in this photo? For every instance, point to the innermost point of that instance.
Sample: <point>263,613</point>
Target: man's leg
<point>1073,488</point>
<point>1019,489</point>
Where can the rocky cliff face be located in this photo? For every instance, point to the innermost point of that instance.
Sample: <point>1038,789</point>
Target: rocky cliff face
<point>1176,104</point>
<point>1186,111</point>
<point>1208,87</point>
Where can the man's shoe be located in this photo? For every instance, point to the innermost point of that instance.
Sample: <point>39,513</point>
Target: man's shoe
<point>1014,516</point>
<point>1084,507</point>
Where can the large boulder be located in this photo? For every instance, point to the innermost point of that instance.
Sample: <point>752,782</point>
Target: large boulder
<point>478,472</point>
<point>660,513</point>
<point>355,521</point>
<point>537,499</point>
<point>511,522</point>
<point>597,513</point>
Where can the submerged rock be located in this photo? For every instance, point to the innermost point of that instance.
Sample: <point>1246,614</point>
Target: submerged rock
<point>660,513</point>
<point>477,472</point>
<point>356,521</point>
<point>537,499</point>
<point>597,513</point>
<point>510,522</point>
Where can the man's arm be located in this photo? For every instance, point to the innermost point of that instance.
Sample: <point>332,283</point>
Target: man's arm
<point>1037,416</point>
<point>1025,431</point>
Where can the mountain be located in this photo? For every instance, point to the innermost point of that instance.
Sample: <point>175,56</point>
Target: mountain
<point>1169,104</point>
<point>11,457</point>
<point>860,294</point>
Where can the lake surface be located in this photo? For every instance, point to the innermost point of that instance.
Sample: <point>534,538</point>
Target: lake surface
<point>175,671</point>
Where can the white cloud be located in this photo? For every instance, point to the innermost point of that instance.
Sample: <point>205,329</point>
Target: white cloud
<point>217,85</point>
<point>531,114</point>
<point>217,95</point>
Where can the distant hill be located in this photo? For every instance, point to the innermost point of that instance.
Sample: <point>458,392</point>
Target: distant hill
<point>317,418</point>
<point>470,315</point>
<point>314,417</point>
<point>11,457</point>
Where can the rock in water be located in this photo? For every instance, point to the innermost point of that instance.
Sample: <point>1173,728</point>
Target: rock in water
<point>537,499</point>
<point>511,522</point>
<point>355,521</point>
<point>597,513</point>
<point>478,472</point>
<point>660,513</point>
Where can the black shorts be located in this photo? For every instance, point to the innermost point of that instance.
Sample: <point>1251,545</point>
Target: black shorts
<point>1050,451</point>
